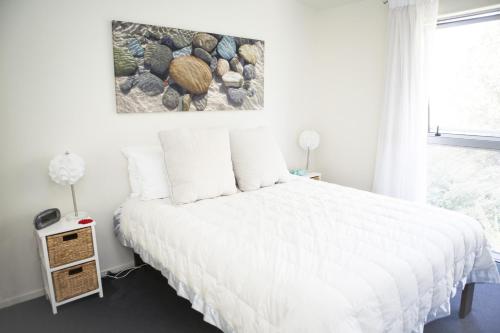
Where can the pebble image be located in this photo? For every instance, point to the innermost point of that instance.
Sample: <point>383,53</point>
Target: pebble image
<point>160,69</point>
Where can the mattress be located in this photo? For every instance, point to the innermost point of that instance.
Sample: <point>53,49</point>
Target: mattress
<point>310,256</point>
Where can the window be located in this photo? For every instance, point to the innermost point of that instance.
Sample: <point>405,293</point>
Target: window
<point>464,120</point>
<point>466,78</point>
<point>467,180</point>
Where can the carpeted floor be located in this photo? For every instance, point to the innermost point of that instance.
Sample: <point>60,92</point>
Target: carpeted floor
<point>143,302</point>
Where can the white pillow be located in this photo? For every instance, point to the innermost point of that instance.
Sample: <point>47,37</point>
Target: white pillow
<point>198,163</point>
<point>133,176</point>
<point>147,174</point>
<point>257,159</point>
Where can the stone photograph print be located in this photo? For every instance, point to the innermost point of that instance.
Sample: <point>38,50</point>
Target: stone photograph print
<point>160,69</point>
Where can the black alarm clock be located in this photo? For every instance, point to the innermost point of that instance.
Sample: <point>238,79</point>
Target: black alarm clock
<point>46,218</point>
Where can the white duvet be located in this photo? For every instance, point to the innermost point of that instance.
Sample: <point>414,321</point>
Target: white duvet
<point>309,256</point>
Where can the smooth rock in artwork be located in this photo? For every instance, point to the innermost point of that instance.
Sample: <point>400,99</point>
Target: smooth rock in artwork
<point>236,65</point>
<point>171,97</point>
<point>213,64</point>
<point>148,53</point>
<point>161,57</point>
<point>222,67</point>
<point>248,53</point>
<point>251,92</point>
<point>191,73</point>
<point>181,38</point>
<point>205,41</point>
<point>232,79</point>
<point>200,102</point>
<point>151,35</point>
<point>227,47</point>
<point>241,40</point>
<point>249,72</point>
<point>124,62</point>
<point>126,86</point>
<point>167,41</point>
<point>248,86</point>
<point>203,55</point>
<point>236,95</point>
<point>186,102</point>
<point>135,48</point>
<point>150,84</point>
<point>182,52</point>
<point>218,36</point>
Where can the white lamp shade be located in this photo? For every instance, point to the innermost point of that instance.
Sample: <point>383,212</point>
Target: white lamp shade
<point>66,169</point>
<point>309,140</point>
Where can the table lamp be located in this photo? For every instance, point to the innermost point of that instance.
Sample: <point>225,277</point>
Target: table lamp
<point>308,140</point>
<point>66,169</point>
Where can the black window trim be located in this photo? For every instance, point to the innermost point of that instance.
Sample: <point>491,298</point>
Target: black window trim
<point>455,139</point>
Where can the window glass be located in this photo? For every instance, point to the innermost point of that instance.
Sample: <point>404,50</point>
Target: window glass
<point>467,180</point>
<point>465,89</point>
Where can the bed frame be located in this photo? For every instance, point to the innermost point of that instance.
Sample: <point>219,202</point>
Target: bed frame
<point>465,301</point>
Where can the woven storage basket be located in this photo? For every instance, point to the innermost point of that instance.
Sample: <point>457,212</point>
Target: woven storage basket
<point>74,281</point>
<point>70,246</point>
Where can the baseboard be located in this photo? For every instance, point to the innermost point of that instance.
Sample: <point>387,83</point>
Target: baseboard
<point>40,292</point>
<point>21,298</point>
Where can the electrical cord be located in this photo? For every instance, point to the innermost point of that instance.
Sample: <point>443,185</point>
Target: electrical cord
<point>122,274</point>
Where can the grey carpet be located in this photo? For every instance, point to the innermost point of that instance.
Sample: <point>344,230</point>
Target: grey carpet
<point>143,302</point>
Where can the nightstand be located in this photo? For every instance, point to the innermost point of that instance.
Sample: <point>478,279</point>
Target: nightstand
<point>69,261</point>
<point>313,175</point>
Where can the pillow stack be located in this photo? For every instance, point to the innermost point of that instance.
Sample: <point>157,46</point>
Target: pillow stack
<point>257,159</point>
<point>200,164</point>
<point>147,173</point>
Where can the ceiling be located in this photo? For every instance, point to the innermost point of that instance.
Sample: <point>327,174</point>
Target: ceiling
<point>322,4</point>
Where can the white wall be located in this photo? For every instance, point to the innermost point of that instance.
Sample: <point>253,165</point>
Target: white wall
<point>58,93</point>
<point>350,45</point>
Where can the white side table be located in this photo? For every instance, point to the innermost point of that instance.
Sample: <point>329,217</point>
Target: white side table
<point>69,261</point>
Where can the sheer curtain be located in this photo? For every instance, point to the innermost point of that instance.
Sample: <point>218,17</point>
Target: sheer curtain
<point>400,169</point>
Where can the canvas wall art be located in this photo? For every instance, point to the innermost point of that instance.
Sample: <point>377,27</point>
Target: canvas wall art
<point>161,69</point>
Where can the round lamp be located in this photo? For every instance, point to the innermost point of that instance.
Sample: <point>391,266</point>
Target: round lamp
<point>66,169</point>
<point>309,140</point>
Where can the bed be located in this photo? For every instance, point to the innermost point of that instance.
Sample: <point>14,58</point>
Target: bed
<point>310,256</point>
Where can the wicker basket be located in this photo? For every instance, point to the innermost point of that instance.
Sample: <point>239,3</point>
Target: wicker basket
<point>74,281</point>
<point>70,246</point>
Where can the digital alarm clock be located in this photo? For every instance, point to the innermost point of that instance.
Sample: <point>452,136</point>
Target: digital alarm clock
<point>46,218</point>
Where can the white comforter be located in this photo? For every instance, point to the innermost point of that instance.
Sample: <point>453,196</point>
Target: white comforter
<point>309,256</point>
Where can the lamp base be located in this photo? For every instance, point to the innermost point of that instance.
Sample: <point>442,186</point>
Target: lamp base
<point>70,217</point>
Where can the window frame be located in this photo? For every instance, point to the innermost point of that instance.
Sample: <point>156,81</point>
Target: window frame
<point>462,139</point>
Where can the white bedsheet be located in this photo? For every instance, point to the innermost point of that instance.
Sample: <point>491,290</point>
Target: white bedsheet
<point>309,256</point>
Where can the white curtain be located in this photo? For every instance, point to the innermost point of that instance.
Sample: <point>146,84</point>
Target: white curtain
<point>400,169</point>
